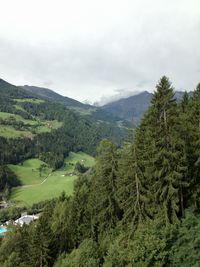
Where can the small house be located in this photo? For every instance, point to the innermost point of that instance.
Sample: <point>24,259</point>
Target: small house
<point>26,219</point>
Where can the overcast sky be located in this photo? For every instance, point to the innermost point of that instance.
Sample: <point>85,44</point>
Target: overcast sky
<point>94,49</point>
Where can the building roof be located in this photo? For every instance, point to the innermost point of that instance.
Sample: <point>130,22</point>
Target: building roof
<point>26,219</point>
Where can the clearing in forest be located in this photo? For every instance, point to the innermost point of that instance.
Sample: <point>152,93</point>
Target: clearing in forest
<point>50,184</point>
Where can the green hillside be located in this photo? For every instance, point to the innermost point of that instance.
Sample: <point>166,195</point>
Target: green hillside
<point>53,127</point>
<point>28,172</point>
<point>51,95</point>
<point>91,112</point>
<point>35,131</point>
<point>13,125</point>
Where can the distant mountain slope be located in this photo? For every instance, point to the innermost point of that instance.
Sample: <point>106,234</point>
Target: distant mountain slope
<point>89,111</point>
<point>133,108</point>
<point>32,126</point>
<point>51,95</point>
<point>12,91</point>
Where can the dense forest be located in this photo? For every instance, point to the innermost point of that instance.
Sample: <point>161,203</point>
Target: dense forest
<point>139,206</point>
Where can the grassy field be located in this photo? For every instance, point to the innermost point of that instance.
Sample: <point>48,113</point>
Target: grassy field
<point>54,185</point>
<point>28,173</point>
<point>9,116</point>
<point>47,126</point>
<point>10,132</point>
<point>81,157</point>
<point>5,115</point>
<point>20,108</point>
<point>56,182</point>
<point>31,126</point>
<point>30,100</point>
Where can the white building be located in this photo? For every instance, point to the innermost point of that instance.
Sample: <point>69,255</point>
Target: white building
<point>26,219</point>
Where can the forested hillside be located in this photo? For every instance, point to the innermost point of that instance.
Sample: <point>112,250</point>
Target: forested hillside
<point>88,111</point>
<point>31,126</point>
<point>51,95</point>
<point>139,206</point>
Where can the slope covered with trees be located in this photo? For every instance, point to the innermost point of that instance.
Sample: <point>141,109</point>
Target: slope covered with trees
<point>51,95</point>
<point>91,112</point>
<point>139,206</point>
<point>31,126</point>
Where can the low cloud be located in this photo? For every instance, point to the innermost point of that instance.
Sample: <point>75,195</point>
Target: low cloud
<point>87,51</point>
<point>118,94</point>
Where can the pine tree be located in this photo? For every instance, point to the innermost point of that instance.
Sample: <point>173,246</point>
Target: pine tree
<point>195,147</point>
<point>103,204</point>
<point>166,152</point>
<point>132,192</point>
<point>186,130</point>
<point>40,242</point>
<point>62,229</point>
<point>80,215</point>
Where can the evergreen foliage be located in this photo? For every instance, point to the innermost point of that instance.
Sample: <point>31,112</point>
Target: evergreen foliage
<point>138,207</point>
<point>105,211</point>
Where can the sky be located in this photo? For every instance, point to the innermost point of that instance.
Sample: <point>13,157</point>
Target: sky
<point>100,50</point>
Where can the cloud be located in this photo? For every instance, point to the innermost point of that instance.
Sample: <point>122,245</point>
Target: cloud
<point>118,94</point>
<point>89,49</point>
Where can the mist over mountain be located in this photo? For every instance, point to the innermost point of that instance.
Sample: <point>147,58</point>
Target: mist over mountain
<point>133,108</point>
<point>125,105</point>
<point>92,112</point>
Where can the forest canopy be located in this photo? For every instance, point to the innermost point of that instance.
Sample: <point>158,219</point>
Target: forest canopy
<point>139,206</point>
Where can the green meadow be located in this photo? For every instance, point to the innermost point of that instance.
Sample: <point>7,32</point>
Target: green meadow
<point>52,187</point>
<point>51,184</point>
<point>28,173</point>
<point>18,118</point>
<point>10,132</point>
<point>30,128</point>
<point>30,100</point>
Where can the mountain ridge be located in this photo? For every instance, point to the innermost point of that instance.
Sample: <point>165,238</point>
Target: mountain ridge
<point>132,108</point>
<point>52,95</point>
<point>28,121</point>
<point>89,111</point>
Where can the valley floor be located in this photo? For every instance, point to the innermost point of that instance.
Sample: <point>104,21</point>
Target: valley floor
<point>48,184</point>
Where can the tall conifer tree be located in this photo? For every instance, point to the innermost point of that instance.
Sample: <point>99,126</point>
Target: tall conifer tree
<point>132,192</point>
<point>195,143</point>
<point>166,152</point>
<point>103,203</point>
